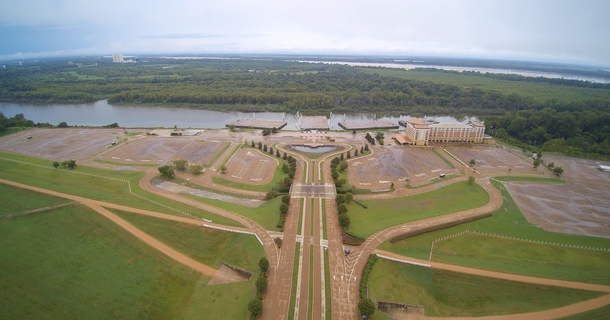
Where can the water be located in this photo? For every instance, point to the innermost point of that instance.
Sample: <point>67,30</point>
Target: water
<point>310,149</point>
<point>526,73</point>
<point>101,113</point>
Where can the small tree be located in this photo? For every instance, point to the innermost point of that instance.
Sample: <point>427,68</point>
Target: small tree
<point>339,199</point>
<point>355,152</point>
<point>196,169</point>
<point>277,153</point>
<point>63,124</point>
<point>270,195</point>
<point>166,171</point>
<point>263,263</point>
<point>366,307</point>
<point>344,220</point>
<point>341,208</point>
<point>349,197</point>
<point>252,144</point>
<point>71,163</point>
<point>283,208</point>
<point>537,163</point>
<point>286,199</point>
<point>231,128</point>
<point>284,156</point>
<point>55,164</point>
<point>271,150</point>
<point>265,148</point>
<point>222,168</point>
<point>255,306</point>
<point>341,157</point>
<point>472,162</point>
<point>471,180</point>
<point>349,155</point>
<point>558,170</point>
<point>551,165</point>
<point>260,145</point>
<point>261,284</point>
<point>366,147</point>
<point>181,164</point>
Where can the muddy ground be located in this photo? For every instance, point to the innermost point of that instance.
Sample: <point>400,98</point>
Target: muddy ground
<point>580,206</point>
<point>392,163</point>
<point>252,166</point>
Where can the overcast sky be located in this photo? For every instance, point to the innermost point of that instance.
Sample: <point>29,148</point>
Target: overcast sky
<point>575,31</point>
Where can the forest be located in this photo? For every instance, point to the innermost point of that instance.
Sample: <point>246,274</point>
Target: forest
<point>554,114</point>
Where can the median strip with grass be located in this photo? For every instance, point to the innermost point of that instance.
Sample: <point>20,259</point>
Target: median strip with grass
<point>385,213</point>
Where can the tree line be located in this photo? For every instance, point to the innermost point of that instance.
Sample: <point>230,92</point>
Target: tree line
<point>254,85</point>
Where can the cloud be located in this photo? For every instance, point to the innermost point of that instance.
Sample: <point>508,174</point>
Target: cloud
<point>557,30</point>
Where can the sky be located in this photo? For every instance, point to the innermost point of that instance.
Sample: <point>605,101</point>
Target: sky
<point>570,31</point>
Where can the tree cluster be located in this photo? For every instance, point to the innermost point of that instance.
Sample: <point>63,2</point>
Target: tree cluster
<point>336,166</point>
<point>369,138</point>
<point>571,132</point>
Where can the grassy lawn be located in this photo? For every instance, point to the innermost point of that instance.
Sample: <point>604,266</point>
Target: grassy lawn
<point>227,301</point>
<point>72,263</point>
<point>208,246</point>
<point>506,221</point>
<point>16,200</point>
<point>445,293</point>
<point>384,213</point>
<point>522,257</point>
<point>601,313</point>
<point>91,187</point>
<point>265,215</point>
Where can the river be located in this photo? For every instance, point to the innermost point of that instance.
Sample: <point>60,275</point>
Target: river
<point>102,113</point>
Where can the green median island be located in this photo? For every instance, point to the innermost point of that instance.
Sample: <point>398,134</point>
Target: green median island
<point>449,294</point>
<point>385,213</point>
<point>71,262</point>
<point>542,254</point>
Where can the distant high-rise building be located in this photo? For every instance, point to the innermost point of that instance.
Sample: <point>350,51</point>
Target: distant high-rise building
<point>117,58</point>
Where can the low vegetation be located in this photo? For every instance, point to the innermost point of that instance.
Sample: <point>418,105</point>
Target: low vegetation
<point>445,293</point>
<point>384,213</point>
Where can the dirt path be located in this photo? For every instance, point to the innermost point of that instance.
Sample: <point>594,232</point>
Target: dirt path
<point>97,206</point>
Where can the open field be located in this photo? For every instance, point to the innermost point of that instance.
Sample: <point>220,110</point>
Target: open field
<point>580,206</point>
<point>208,246</point>
<point>251,166</point>
<point>445,293</point>
<point>489,159</point>
<point>266,215</point>
<point>393,163</point>
<point>15,200</point>
<point>506,221</point>
<point>73,263</point>
<point>82,182</point>
<point>525,258</point>
<point>384,213</point>
<point>164,150</point>
<point>61,144</point>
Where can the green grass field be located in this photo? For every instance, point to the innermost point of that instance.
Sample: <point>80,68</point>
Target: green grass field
<point>113,191</point>
<point>16,200</point>
<point>523,257</point>
<point>444,293</point>
<point>382,214</point>
<point>73,263</point>
<point>208,246</point>
<point>265,215</point>
<point>506,221</point>
<point>597,314</point>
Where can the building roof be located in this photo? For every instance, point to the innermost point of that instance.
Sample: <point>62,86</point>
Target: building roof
<point>415,121</point>
<point>401,139</point>
<point>450,125</point>
<point>420,126</point>
<point>477,124</point>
